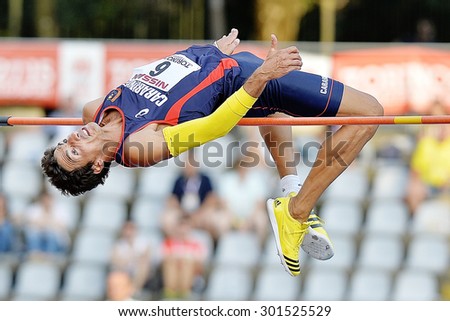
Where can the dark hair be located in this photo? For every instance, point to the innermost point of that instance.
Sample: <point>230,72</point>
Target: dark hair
<point>75,182</point>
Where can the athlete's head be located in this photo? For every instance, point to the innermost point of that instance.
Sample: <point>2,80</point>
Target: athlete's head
<point>78,163</point>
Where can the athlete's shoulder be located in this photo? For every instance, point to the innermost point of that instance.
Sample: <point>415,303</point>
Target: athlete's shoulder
<point>90,110</point>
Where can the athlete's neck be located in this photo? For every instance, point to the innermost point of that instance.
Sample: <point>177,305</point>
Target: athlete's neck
<point>111,125</point>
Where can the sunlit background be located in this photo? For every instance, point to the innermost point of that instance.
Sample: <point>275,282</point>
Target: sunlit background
<point>388,214</point>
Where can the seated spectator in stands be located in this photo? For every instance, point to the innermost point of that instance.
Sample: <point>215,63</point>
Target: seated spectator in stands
<point>430,169</point>
<point>119,286</point>
<point>193,196</point>
<point>46,227</point>
<point>132,254</point>
<point>7,230</point>
<point>243,191</point>
<point>182,261</point>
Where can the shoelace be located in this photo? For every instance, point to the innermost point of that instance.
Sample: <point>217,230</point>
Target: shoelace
<point>304,229</point>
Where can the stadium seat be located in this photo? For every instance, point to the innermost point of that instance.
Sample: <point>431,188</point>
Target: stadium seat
<point>17,205</point>
<point>214,157</point>
<point>104,213</point>
<point>307,144</point>
<point>390,182</point>
<point>344,253</point>
<point>120,184</point>
<point>274,284</point>
<point>157,181</point>
<point>146,213</point>
<point>6,280</point>
<point>342,216</point>
<point>93,246</point>
<point>37,280</point>
<point>238,249</point>
<point>432,216</point>
<point>429,253</point>
<point>229,283</point>
<point>27,146</point>
<point>71,206</point>
<point>380,251</point>
<point>413,285</point>
<point>352,185</point>
<point>323,284</point>
<point>21,179</point>
<point>388,217</point>
<point>369,285</point>
<point>84,282</point>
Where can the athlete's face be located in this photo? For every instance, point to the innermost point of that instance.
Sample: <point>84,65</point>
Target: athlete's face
<point>79,148</point>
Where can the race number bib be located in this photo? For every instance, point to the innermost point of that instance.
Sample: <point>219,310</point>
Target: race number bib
<point>165,73</point>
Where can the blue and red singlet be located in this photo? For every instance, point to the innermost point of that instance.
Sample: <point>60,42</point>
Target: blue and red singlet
<point>192,83</point>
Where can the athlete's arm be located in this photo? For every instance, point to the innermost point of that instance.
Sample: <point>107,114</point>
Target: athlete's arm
<point>194,133</point>
<point>185,136</point>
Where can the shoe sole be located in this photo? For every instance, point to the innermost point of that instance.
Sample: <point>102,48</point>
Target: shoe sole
<point>317,245</point>
<point>274,224</point>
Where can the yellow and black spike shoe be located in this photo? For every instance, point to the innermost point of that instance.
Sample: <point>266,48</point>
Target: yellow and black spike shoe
<point>288,232</point>
<point>317,243</point>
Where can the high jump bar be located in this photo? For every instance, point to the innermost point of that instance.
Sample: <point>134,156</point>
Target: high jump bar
<point>297,121</point>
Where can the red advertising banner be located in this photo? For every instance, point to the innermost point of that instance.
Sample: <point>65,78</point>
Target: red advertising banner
<point>406,79</point>
<point>28,73</point>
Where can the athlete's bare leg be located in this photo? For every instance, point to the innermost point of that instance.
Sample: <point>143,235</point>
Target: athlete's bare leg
<point>279,142</point>
<point>337,152</point>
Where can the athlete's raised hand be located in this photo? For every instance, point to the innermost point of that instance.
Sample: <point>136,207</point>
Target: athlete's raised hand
<point>280,62</point>
<point>227,44</point>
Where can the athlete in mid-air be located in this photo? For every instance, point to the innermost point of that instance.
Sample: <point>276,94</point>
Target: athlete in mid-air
<point>199,94</point>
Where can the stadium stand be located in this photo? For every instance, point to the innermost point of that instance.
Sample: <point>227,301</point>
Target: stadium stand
<point>37,280</point>
<point>324,284</point>
<point>413,285</point>
<point>274,284</point>
<point>368,284</point>
<point>383,251</point>
<point>229,283</point>
<point>6,278</point>
<point>84,282</point>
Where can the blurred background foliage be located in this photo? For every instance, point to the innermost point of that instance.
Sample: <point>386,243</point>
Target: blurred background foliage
<point>292,20</point>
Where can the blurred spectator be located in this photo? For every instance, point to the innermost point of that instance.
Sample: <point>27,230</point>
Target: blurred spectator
<point>119,286</point>
<point>445,287</point>
<point>46,227</point>
<point>182,262</point>
<point>243,191</point>
<point>425,31</point>
<point>7,230</point>
<point>430,170</point>
<point>132,255</point>
<point>193,196</point>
